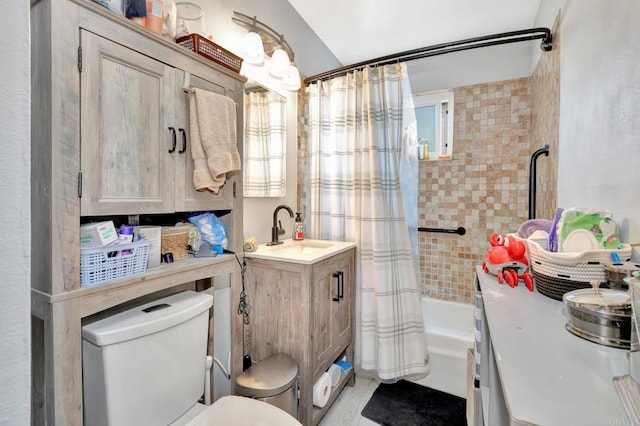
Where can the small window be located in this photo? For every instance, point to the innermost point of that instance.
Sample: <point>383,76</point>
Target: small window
<point>434,115</point>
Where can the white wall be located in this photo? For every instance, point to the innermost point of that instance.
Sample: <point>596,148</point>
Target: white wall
<point>15,314</point>
<point>599,159</point>
<point>495,63</point>
<point>311,54</point>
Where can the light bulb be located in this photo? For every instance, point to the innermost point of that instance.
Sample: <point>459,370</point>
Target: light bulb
<point>253,48</point>
<point>279,63</point>
<point>291,80</point>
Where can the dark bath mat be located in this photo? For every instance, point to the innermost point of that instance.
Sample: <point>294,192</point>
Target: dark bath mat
<point>407,404</point>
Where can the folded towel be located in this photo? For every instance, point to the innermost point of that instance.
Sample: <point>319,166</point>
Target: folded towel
<point>250,244</point>
<point>214,116</point>
<point>202,179</point>
<point>532,225</point>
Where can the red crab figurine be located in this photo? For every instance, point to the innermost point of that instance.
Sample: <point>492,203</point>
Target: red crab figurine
<point>508,261</point>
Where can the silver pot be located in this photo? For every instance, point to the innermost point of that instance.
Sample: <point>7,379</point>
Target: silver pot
<point>617,272</point>
<point>601,316</point>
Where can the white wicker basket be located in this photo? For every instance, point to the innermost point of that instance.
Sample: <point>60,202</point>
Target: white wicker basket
<point>584,266</point>
<point>558,273</point>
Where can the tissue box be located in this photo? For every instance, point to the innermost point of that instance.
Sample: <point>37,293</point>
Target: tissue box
<point>154,235</point>
<point>98,234</point>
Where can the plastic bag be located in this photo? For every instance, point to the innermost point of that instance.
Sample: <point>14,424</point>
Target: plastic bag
<point>581,229</point>
<point>212,230</point>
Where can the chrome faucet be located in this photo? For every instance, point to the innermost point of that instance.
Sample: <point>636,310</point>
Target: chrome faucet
<point>277,229</point>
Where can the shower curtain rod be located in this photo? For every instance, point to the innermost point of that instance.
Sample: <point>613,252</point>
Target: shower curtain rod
<point>441,49</point>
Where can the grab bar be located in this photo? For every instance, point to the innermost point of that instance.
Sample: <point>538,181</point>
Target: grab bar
<point>532,179</point>
<point>460,230</point>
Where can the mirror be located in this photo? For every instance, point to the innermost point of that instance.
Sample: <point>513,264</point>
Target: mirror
<point>265,141</point>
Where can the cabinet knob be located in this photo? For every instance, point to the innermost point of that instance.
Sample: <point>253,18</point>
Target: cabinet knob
<point>173,140</point>
<point>184,140</point>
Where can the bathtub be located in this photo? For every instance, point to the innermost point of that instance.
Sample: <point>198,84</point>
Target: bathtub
<point>450,333</point>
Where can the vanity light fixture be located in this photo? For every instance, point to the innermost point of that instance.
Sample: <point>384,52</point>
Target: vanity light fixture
<point>253,48</point>
<point>261,41</point>
<point>291,80</point>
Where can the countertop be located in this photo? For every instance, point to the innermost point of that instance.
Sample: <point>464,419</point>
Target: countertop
<point>548,375</point>
<point>304,251</point>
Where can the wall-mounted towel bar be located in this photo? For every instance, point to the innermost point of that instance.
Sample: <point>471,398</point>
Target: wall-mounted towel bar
<point>460,230</point>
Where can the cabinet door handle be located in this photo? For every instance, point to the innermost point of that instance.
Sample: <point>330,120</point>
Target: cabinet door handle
<point>173,140</point>
<point>336,275</point>
<point>184,141</point>
<point>341,279</point>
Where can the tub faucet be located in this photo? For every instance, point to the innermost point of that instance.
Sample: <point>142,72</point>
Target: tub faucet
<point>277,229</point>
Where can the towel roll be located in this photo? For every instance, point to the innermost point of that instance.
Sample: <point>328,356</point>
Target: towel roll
<point>322,390</point>
<point>250,244</point>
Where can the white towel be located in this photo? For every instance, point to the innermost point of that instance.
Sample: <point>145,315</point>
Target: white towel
<point>213,139</point>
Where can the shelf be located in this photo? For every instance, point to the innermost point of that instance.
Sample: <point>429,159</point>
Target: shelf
<point>318,412</point>
<point>101,297</point>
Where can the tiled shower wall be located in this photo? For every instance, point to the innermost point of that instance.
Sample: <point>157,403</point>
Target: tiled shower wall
<point>483,188</point>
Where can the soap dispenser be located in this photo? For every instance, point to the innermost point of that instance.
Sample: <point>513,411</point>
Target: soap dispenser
<point>298,228</point>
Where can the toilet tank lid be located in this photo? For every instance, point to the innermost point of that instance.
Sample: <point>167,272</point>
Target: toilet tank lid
<point>269,377</point>
<point>147,319</point>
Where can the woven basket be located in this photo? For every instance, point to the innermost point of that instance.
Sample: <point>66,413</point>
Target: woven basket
<point>211,51</point>
<point>559,273</point>
<point>175,240</point>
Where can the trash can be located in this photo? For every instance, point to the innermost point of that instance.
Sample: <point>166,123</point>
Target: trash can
<point>272,380</point>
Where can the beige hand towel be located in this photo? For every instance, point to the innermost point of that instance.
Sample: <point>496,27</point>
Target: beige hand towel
<point>202,179</point>
<point>216,122</point>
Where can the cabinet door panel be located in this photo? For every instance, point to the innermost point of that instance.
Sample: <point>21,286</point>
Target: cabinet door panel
<point>324,289</point>
<point>187,198</point>
<point>342,311</point>
<point>126,109</point>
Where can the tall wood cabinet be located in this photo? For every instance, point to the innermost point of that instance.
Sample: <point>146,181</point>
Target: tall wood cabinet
<point>306,311</point>
<point>107,99</point>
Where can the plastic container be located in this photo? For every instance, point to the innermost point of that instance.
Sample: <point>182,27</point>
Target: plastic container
<point>125,234</point>
<point>103,265</point>
<point>155,15</point>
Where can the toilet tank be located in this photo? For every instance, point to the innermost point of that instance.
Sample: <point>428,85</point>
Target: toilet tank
<point>146,366</point>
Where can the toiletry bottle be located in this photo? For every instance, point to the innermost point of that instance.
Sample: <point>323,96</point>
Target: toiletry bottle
<point>298,228</point>
<point>125,236</point>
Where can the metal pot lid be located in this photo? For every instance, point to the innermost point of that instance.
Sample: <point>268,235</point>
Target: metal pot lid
<point>598,300</point>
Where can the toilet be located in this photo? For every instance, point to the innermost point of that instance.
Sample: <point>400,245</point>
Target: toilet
<point>148,365</point>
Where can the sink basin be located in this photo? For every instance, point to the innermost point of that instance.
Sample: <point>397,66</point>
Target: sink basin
<point>302,247</point>
<point>305,251</point>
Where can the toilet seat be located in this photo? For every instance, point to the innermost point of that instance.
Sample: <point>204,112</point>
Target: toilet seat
<point>242,411</point>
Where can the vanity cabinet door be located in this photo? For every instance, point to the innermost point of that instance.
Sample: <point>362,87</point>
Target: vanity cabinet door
<point>127,108</point>
<point>187,198</point>
<point>342,311</point>
<point>324,290</point>
<point>332,309</point>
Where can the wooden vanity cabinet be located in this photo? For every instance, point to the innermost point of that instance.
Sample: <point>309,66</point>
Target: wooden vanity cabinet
<point>104,93</point>
<point>305,311</point>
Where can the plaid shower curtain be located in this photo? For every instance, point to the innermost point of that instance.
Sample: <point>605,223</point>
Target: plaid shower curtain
<point>264,146</point>
<point>362,147</point>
